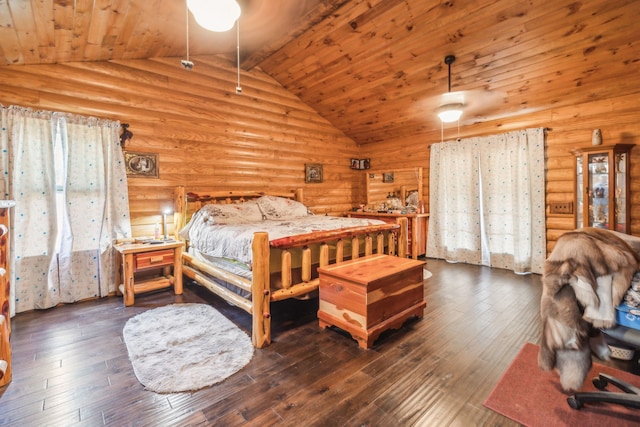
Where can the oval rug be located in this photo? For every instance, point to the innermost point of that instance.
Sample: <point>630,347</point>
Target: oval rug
<point>184,347</point>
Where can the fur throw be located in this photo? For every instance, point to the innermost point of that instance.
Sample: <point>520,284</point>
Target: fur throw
<point>584,278</point>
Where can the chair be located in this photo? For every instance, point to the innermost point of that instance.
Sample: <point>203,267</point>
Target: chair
<point>630,395</point>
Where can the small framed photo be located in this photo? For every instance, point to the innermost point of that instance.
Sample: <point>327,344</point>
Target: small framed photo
<point>143,165</point>
<point>360,164</point>
<point>313,173</point>
<point>387,177</point>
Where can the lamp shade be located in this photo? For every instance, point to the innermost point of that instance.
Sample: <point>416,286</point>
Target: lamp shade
<point>215,15</point>
<point>450,112</point>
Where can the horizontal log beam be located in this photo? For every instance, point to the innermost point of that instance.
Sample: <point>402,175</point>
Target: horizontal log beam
<point>222,292</point>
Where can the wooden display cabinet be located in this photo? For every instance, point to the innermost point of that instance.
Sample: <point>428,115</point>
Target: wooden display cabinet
<point>602,187</point>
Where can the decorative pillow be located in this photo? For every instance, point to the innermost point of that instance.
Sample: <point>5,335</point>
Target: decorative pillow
<point>231,213</point>
<point>273,207</point>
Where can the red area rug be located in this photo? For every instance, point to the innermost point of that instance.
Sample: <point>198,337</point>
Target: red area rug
<point>533,397</point>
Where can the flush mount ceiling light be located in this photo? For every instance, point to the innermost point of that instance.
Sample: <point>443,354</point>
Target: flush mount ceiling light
<point>215,15</point>
<point>450,112</point>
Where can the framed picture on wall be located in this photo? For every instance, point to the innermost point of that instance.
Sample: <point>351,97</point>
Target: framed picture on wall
<point>360,164</point>
<point>313,173</point>
<point>144,165</point>
<point>387,177</point>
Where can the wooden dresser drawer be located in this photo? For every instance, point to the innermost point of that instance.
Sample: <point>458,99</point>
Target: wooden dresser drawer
<point>154,259</point>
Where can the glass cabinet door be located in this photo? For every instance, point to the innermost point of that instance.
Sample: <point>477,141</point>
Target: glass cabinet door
<point>579,193</point>
<point>602,187</point>
<point>621,192</point>
<point>598,182</point>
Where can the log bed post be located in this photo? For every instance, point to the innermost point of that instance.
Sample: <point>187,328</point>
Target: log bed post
<point>380,244</point>
<point>306,264</point>
<point>339,251</point>
<point>368,245</point>
<point>260,290</point>
<point>179,210</point>
<point>285,270</point>
<point>403,239</point>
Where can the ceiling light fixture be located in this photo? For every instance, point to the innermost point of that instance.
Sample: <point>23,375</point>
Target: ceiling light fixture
<point>450,112</point>
<point>215,15</point>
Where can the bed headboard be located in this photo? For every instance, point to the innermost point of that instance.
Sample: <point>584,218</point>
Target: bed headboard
<point>187,202</point>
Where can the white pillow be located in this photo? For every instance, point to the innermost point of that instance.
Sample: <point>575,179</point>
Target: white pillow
<point>231,213</point>
<point>274,207</point>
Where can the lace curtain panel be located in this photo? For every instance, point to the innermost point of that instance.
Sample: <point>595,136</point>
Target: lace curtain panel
<point>487,201</point>
<point>67,176</point>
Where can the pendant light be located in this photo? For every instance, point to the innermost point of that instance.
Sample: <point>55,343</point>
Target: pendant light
<point>450,112</point>
<point>215,15</point>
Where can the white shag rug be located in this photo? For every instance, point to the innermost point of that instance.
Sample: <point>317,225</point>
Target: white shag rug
<point>185,347</point>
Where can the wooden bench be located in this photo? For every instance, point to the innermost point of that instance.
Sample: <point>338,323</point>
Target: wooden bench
<point>369,295</point>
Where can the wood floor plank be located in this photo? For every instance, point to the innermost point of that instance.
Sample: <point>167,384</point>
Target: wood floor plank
<point>71,367</point>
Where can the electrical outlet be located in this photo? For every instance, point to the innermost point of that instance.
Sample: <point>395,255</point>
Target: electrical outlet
<point>561,208</point>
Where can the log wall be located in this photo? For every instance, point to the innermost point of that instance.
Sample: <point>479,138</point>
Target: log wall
<point>207,137</point>
<point>570,128</point>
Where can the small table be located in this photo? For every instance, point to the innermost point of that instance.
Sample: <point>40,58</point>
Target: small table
<point>140,257</point>
<point>368,295</point>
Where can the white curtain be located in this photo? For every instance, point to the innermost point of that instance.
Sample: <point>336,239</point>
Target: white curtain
<point>487,198</point>
<point>62,235</point>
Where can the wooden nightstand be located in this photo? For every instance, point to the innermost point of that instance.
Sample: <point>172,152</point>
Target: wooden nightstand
<point>146,257</point>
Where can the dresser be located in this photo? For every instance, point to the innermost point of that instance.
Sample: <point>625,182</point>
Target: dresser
<point>5,291</point>
<point>417,224</point>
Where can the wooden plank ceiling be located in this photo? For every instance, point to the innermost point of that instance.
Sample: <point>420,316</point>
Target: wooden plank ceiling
<point>374,68</point>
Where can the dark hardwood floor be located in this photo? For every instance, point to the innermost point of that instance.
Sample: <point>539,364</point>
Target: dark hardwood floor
<point>70,364</point>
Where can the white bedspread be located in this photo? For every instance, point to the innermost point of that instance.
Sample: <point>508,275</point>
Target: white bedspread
<point>234,241</point>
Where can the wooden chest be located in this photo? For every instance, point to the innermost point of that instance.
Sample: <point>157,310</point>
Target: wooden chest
<point>369,295</point>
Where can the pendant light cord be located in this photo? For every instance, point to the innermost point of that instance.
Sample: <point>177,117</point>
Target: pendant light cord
<point>186,63</point>
<point>238,87</point>
<point>186,14</point>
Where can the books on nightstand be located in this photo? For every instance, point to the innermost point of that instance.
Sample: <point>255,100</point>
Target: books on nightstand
<point>150,241</point>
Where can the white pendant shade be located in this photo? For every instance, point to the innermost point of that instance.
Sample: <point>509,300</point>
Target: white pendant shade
<point>215,15</point>
<point>450,112</point>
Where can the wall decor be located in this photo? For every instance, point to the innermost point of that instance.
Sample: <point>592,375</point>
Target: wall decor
<point>144,165</point>
<point>360,164</point>
<point>596,137</point>
<point>126,134</point>
<point>387,177</point>
<point>313,173</point>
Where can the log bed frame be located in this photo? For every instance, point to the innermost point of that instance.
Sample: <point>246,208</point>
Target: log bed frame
<point>258,304</point>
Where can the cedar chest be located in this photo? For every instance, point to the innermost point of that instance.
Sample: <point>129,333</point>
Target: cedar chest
<point>369,295</point>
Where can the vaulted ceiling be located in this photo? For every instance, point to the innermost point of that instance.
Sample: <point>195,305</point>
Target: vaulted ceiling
<point>373,68</point>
